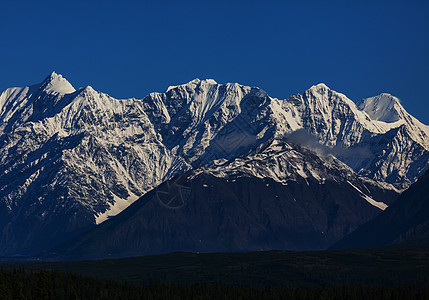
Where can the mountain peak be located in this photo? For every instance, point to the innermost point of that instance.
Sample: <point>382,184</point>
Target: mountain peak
<point>52,76</point>
<point>384,107</point>
<point>318,89</point>
<point>194,83</point>
<point>321,86</point>
<point>56,83</point>
<point>392,98</point>
<point>204,81</point>
<point>210,81</point>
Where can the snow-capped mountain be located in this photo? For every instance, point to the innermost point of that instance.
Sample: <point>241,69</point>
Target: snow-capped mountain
<point>377,137</point>
<point>70,158</point>
<point>67,161</point>
<point>203,120</point>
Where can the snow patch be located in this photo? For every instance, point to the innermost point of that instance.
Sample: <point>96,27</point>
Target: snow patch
<point>118,206</point>
<point>380,205</point>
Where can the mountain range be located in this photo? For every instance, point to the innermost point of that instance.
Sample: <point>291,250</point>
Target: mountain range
<point>256,172</point>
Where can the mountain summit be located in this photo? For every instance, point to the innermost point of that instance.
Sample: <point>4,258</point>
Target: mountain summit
<point>384,107</point>
<point>56,83</point>
<point>71,159</point>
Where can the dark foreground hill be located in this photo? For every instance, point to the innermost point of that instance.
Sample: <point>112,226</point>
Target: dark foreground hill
<point>203,213</point>
<point>405,221</point>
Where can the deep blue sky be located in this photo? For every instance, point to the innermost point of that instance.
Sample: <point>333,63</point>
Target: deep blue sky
<point>128,48</point>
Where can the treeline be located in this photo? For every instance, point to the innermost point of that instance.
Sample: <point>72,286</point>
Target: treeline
<point>18,284</point>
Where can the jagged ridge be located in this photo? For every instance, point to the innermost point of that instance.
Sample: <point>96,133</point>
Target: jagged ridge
<point>82,155</point>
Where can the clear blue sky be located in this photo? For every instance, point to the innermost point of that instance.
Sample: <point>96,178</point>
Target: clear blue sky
<point>131,48</point>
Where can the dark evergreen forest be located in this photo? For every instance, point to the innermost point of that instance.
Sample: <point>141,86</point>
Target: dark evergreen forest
<point>19,284</point>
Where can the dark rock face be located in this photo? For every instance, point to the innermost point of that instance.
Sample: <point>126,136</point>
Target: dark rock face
<point>405,221</point>
<point>210,214</point>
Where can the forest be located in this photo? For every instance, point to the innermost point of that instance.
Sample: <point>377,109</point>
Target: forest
<point>393,272</point>
<point>21,284</point>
